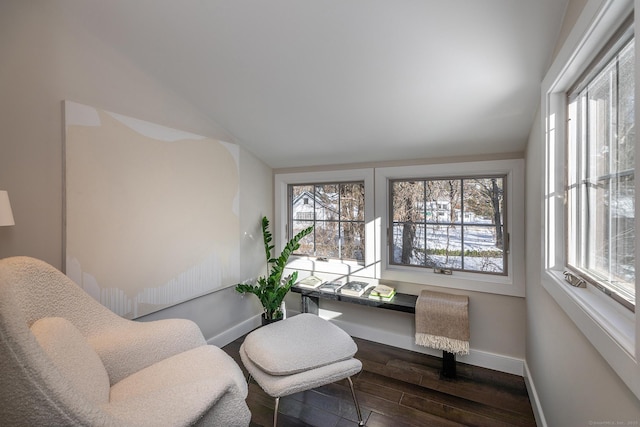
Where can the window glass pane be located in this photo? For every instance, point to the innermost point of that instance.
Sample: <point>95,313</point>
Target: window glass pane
<point>326,237</point>
<point>302,206</point>
<point>327,202</point>
<point>483,200</point>
<point>599,99</point>
<point>336,210</point>
<point>443,200</point>
<point>351,241</point>
<point>408,201</point>
<point>625,152</point>
<point>352,202</point>
<point>428,217</point>
<point>482,251</point>
<point>306,244</point>
<point>444,246</point>
<point>408,244</point>
<point>600,178</point>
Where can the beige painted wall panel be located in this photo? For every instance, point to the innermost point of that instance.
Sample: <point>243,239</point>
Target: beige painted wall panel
<point>47,59</point>
<point>148,224</point>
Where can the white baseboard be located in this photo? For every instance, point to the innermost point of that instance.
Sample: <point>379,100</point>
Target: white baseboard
<point>475,357</point>
<point>235,332</point>
<point>534,398</point>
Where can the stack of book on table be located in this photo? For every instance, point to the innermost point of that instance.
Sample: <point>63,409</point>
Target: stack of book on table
<point>331,287</point>
<point>382,293</point>
<point>311,282</point>
<point>355,288</point>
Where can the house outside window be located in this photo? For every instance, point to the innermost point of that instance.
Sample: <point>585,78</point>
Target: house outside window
<point>463,218</point>
<point>336,210</point>
<point>362,207</point>
<point>339,203</point>
<point>451,223</point>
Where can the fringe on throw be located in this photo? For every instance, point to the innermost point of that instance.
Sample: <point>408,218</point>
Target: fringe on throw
<point>443,343</point>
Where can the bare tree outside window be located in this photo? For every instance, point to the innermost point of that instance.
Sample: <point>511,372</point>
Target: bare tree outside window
<point>455,223</point>
<point>336,210</point>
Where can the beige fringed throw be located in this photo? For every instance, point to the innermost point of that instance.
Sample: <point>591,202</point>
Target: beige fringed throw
<point>442,322</point>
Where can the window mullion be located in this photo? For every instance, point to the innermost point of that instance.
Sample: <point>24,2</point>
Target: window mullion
<point>462,222</point>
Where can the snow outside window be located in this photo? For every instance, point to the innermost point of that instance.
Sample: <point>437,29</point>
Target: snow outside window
<point>454,223</point>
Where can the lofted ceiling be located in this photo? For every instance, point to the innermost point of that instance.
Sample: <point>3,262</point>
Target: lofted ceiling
<point>311,82</point>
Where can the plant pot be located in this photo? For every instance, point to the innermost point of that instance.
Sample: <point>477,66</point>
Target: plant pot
<point>266,321</point>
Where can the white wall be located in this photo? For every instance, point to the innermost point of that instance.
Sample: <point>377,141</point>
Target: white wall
<point>574,385</point>
<point>45,59</point>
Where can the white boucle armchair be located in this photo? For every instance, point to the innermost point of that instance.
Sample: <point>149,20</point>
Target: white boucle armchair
<point>67,360</point>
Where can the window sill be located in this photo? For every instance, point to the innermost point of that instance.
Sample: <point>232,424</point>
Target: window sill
<point>332,269</point>
<point>608,326</point>
<point>477,282</point>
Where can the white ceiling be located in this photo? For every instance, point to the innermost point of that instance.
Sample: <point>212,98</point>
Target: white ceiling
<point>309,82</point>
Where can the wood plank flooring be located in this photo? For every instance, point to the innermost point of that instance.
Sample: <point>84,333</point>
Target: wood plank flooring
<point>399,388</point>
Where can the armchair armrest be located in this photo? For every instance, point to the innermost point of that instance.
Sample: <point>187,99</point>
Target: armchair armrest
<point>131,346</point>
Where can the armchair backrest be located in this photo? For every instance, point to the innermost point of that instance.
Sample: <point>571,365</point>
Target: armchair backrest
<point>32,390</point>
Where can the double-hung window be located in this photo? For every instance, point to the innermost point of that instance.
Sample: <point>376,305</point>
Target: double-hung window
<point>589,238</point>
<point>600,181</point>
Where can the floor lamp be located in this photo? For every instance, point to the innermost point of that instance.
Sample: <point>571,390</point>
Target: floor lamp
<point>6,216</point>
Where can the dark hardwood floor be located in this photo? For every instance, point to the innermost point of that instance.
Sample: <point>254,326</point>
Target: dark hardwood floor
<point>398,388</point>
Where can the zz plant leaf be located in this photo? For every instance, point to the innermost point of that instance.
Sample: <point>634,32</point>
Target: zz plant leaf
<point>272,288</point>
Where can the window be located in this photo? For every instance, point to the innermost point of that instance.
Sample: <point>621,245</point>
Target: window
<point>351,210</point>
<point>339,203</point>
<point>464,218</point>
<point>589,179</point>
<point>451,223</point>
<point>600,182</point>
<point>336,210</point>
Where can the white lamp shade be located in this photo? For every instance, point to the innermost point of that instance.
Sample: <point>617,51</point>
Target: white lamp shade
<point>6,216</point>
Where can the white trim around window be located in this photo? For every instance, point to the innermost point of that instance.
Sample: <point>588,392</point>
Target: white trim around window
<point>514,283</point>
<point>609,327</point>
<point>332,268</point>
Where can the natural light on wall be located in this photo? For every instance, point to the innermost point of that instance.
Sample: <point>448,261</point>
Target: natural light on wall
<point>589,237</point>
<point>447,227</point>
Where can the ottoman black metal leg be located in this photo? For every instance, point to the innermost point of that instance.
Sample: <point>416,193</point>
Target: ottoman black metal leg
<point>355,400</point>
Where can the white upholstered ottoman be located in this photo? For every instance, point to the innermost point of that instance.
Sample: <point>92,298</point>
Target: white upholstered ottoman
<point>297,354</point>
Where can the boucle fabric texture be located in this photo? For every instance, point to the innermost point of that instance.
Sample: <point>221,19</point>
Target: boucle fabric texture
<point>442,321</point>
<point>298,344</point>
<point>179,390</point>
<point>284,385</point>
<point>297,354</point>
<point>159,373</point>
<point>74,357</point>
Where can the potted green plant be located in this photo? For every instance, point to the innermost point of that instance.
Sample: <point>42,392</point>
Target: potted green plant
<point>272,288</point>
